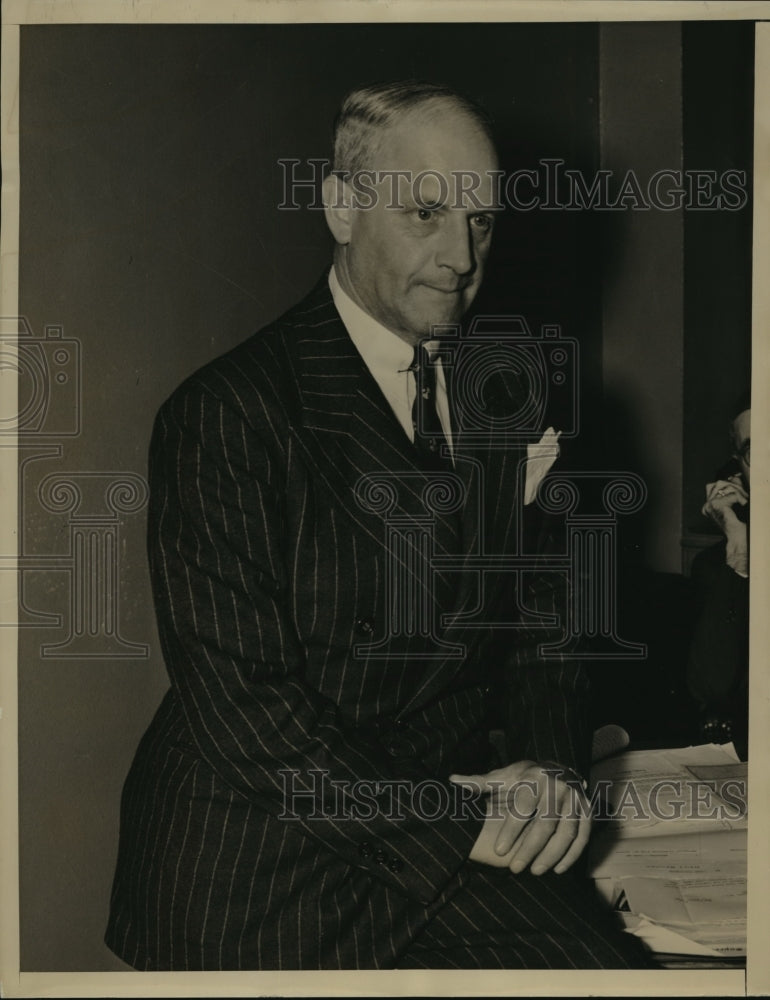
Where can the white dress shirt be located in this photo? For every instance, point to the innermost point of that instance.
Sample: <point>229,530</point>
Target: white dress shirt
<point>389,358</point>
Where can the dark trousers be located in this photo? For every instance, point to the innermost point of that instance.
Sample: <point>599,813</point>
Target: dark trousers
<point>498,920</point>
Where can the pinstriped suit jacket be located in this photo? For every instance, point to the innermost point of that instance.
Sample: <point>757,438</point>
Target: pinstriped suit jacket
<point>277,592</point>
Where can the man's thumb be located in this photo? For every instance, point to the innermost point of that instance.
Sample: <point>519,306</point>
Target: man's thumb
<point>478,782</point>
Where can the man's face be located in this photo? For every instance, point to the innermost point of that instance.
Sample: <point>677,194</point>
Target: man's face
<point>421,263</point>
<point>742,439</point>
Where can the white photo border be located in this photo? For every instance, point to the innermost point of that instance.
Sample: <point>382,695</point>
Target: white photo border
<point>756,979</point>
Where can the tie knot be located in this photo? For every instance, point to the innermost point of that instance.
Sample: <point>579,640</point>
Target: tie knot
<point>424,372</point>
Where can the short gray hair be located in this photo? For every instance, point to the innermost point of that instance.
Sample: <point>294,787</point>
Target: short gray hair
<point>366,111</point>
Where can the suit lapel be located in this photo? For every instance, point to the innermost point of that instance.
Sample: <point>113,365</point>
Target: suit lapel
<point>350,436</point>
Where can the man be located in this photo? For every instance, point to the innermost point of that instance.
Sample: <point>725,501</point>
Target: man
<point>302,798</point>
<point>717,670</point>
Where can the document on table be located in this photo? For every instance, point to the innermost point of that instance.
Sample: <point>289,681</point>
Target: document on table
<point>682,855</point>
<point>672,856</point>
<point>652,793</point>
<point>690,901</point>
<point>670,941</point>
<point>730,781</point>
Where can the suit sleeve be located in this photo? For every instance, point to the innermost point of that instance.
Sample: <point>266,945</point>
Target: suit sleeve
<point>218,558</point>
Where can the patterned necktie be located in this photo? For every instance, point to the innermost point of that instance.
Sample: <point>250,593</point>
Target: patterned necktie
<point>428,432</point>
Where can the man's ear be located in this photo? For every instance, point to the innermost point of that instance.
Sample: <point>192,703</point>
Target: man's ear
<point>338,199</point>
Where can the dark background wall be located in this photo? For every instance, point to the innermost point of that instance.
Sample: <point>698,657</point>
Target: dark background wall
<point>150,236</point>
<point>717,85</point>
<point>642,283</point>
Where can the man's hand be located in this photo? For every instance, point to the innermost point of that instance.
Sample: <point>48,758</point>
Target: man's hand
<point>721,499</point>
<point>534,817</point>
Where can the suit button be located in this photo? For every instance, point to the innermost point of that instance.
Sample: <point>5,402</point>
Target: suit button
<point>399,724</point>
<point>365,626</point>
<point>365,850</point>
<point>395,865</point>
<point>380,856</point>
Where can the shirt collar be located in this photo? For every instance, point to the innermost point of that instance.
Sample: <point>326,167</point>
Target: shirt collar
<point>382,350</point>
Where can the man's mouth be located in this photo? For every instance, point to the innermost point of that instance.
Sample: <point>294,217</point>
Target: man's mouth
<point>452,290</point>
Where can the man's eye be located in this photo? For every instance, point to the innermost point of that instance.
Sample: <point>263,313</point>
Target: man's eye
<point>483,222</point>
<point>425,214</point>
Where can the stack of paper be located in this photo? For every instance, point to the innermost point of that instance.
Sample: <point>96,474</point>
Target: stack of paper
<point>669,847</point>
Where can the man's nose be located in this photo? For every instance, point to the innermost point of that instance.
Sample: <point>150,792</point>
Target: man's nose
<point>456,249</point>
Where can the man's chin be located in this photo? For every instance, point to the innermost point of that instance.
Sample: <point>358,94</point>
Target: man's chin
<point>439,317</point>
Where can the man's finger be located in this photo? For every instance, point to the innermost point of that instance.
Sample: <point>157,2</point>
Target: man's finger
<point>538,833</point>
<point>480,782</point>
<point>728,495</point>
<point>718,484</point>
<point>554,837</point>
<point>577,847</point>
<point>722,488</point>
<point>570,838</point>
<point>512,828</point>
<point>557,847</point>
